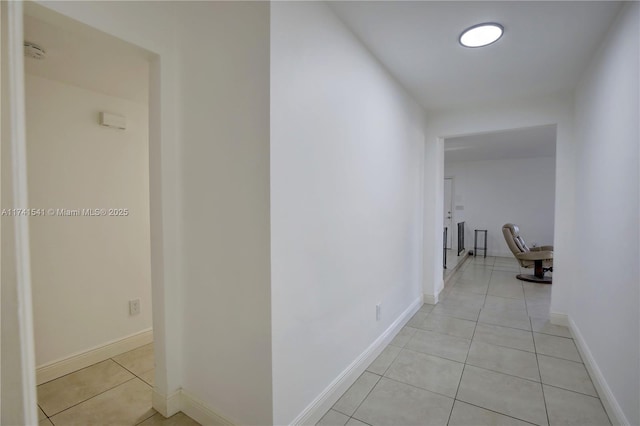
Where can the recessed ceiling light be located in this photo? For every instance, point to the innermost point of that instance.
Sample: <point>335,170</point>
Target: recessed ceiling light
<point>481,34</point>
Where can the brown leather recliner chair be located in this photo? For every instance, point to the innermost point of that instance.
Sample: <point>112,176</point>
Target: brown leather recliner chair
<point>539,258</point>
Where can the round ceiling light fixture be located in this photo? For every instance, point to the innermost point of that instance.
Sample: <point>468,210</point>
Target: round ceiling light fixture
<point>481,35</point>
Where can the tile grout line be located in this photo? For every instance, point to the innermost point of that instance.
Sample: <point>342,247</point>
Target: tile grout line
<point>570,390</point>
<point>544,399</point>
<point>363,399</point>
<point>72,372</point>
<point>464,365</point>
<point>417,387</point>
<point>88,399</point>
<point>455,398</point>
<point>497,412</point>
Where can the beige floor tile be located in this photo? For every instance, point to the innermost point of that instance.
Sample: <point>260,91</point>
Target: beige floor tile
<point>417,319</point>
<point>570,408</point>
<point>559,347</point>
<point>513,319</point>
<point>512,396</point>
<point>471,286</point>
<point>544,326</point>
<point>533,291</point>
<point>355,422</point>
<point>393,403</point>
<point>383,361</point>
<point>179,419</point>
<point>149,377</point>
<point>465,299</point>
<point>505,259</point>
<point>333,418</point>
<point>403,336</point>
<point>514,269</point>
<point>128,403</point>
<point>442,345</point>
<point>427,372</point>
<point>426,308</point>
<point>464,414</point>
<point>45,422</point>
<point>69,390</point>
<point>353,397</point>
<point>138,360</point>
<point>505,274</point>
<point>538,308</point>
<point>504,360</point>
<point>41,414</point>
<point>449,325</point>
<point>565,374</point>
<point>504,336</point>
<point>510,289</point>
<point>497,303</point>
<point>453,309</point>
<point>476,276</point>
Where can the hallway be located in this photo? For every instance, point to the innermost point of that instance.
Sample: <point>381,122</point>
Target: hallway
<point>485,355</point>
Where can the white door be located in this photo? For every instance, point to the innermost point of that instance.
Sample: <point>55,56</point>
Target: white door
<point>448,211</point>
<point>18,389</point>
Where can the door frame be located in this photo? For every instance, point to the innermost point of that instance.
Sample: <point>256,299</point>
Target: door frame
<point>451,230</point>
<point>14,97</point>
<point>164,178</point>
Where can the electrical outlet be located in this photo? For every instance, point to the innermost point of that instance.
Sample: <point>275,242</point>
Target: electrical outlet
<point>134,307</point>
<point>378,311</point>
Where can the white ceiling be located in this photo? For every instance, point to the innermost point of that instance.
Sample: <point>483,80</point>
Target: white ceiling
<point>539,141</point>
<point>544,49</point>
<point>86,57</point>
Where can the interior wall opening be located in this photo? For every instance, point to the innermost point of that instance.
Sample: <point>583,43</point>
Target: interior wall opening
<point>495,178</point>
<point>88,160</point>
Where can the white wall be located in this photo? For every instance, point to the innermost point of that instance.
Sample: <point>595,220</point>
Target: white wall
<point>86,269</point>
<point>495,192</point>
<point>605,298</point>
<point>557,109</point>
<point>225,130</point>
<point>346,169</point>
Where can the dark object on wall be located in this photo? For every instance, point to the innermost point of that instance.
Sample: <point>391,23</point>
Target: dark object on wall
<point>460,237</point>
<point>444,248</point>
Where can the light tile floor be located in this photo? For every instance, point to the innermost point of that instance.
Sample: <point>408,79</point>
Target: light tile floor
<point>485,355</point>
<point>112,392</point>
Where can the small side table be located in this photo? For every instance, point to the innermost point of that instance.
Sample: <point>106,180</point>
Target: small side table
<point>475,242</point>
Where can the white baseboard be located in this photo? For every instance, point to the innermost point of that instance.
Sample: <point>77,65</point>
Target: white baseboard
<point>430,299</point>
<point>200,412</point>
<point>59,368</point>
<point>616,415</point>
<point>193,407</point>
<point>323,402</point>
<point>559,319</point>
<point>167,405</point>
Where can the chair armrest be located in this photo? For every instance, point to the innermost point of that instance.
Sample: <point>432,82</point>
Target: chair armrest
<point>535,255</point>
<point>542,248</point>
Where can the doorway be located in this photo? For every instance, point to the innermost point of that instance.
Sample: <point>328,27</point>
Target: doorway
<point>448,210</point>
<point>21,403</point>
<point>88,175</point>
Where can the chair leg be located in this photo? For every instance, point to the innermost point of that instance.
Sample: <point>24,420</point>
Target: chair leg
<point>538,269</point>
